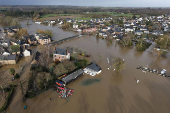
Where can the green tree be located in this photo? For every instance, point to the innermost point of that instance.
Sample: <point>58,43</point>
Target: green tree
<point>133,16</point>
<point>142,45</point>
<point>12,72</point>
<point>118,64</point>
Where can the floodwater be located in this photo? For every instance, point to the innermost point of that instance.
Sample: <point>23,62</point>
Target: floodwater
<point>114,93</point>
<point>58,33</point>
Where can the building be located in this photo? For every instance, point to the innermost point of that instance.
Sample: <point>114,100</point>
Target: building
<point>138,32</point>
<point>75,26</point>
<point>26,52</point>
<point>44,40</point>
<point>9,59</point>
<point>61,54</point>
<point>93,69</point>
<point>30,39</point>
<point>90,29</point>
<point>66,79</point>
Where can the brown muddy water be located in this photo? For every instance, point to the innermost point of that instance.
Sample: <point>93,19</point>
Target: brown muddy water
<point>114,93</point>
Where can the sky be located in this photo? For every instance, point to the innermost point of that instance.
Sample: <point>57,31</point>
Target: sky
<point>104,3</point>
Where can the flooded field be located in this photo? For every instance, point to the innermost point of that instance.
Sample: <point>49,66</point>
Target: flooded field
<point>113,92</point>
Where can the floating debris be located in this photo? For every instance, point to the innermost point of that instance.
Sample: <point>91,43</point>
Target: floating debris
<point>90,81</point>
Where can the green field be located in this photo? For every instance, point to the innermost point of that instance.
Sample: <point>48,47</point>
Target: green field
<point>79,16</point>
<point>115,14</point>
<point>54,15</point>
<point>84,18</point>
<point>49,15</point>
<point>66,14</point>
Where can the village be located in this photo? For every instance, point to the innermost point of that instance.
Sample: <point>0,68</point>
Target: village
<point>64,65</point>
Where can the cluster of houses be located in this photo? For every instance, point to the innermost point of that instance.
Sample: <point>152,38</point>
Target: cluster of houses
<point>12,49</point>
<point>138,26</point>
<point>10,30</point>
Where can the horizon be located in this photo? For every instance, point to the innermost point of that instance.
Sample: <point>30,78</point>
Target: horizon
<point>88,3</point>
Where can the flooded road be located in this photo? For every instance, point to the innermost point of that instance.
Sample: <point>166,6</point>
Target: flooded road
<point>115,92</point>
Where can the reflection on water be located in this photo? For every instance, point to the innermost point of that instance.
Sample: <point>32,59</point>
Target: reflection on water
<point>90,81</point>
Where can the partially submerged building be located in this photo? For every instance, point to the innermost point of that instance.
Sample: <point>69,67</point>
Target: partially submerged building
<point>9,59</point>
<point>92,69</point>
<point>66,79</point>
<point>61,54</point>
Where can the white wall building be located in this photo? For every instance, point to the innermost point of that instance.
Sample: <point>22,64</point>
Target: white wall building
<point>93,69</point>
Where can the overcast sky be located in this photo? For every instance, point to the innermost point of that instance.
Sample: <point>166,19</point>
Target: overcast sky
<point>106,3</point>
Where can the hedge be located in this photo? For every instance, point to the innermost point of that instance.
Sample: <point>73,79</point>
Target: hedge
<point>5,105</point>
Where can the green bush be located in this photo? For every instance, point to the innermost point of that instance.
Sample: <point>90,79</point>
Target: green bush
<point>17,76</point>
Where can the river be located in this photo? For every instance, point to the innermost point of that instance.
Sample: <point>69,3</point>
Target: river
<point>114,93</point>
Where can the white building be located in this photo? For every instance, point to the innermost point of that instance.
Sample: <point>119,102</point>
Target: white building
<point>26,53</point>
<point>93,69</point>
<point>37,22</point>
<point>75,26</point>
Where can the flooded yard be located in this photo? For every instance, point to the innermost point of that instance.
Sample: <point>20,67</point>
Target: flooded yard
<point>113,92</point>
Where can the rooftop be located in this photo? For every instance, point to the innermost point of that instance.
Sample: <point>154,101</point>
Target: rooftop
<point>94,67</point>
<point>60,51</point>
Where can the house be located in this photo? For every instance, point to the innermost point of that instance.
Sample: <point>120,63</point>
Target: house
<point>104,29</point>
<point>166,29</point>
<point>75,26</point>
<point>90,29</point>
<point>10,32</point>
<point>4,51</point>
<point>9,59</point>
<point>138,32</point>
<point>14,28</point>
<point>52,21</point>
<point>92,69</point>
<point>37,22</point>
<point>146,32</point>
<point>60,22</point>
<point>143,28</point>
<point>157,32</point>
<point>61,54</point>
<point>129,29</point>
<point>26,52</point>
<point>30,39</point>
<point>44,40</point>
<point>14,41</point>
<point>80,20</point>
<point>66,79</point>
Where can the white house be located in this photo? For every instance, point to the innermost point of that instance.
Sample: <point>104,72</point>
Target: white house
<point>138,32</point>
<point>52,21</point>
<point>129,29</point>
<point>61,22</point>
<point>37,22</point>
<point>93,69</point>
<point>27,53</point>
<point>75,26</point>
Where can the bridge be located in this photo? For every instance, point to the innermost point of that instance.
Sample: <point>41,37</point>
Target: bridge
<point>66,39</point>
